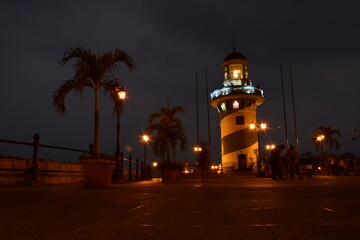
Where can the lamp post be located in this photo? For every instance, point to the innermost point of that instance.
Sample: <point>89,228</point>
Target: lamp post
<point>258,128</point>
<point>145,138</point>
<point>120,97</point>
<point>197,150</point>
<point>268,147</point>
<point>155,165</point>
<point>321,138</point>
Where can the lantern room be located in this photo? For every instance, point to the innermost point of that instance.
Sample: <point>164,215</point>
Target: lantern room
<point>235,68</point>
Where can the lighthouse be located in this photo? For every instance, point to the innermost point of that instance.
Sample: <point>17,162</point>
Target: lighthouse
<point>237,101</point>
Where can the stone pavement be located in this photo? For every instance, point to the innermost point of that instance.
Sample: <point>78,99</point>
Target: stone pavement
<point>224,208</point>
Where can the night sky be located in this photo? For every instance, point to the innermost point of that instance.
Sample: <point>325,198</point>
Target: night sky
<point>170,41</point>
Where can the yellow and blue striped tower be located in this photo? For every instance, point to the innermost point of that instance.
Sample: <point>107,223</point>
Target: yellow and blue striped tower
<point>236,103</point>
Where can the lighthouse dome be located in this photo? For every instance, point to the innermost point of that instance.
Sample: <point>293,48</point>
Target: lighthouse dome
<point>235,55</point>
<point>235,68</point>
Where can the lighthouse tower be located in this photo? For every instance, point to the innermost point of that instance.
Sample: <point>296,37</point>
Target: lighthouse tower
<point>236,103</point>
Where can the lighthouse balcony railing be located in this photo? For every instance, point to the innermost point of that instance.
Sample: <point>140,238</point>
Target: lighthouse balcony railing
<point>244,89</point>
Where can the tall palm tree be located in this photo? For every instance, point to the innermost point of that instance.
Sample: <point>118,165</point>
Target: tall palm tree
<point>330,138</point>
<point>168,131</point>
<point>327,141</point>
<point>94,71</point>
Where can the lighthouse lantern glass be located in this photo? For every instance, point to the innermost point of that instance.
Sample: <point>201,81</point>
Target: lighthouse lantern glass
<point>225,73</point>
<point>236,71</point>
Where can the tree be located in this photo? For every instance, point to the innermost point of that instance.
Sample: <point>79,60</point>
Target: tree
<point>168,131</point>
<point>350,159</point>
<point>326,138</point>
<point>94,71</point>
<point>329,138</point>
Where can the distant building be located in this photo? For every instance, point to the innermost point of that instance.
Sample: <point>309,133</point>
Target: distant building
<point>236,103</point>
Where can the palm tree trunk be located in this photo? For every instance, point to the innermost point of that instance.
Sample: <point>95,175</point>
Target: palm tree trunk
<point>97,124</point>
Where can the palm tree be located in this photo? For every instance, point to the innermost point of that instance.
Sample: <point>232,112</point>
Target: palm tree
<point>168,132</point>
<point>329,137</point>
<point>94,71</point>
<point>326,139</point>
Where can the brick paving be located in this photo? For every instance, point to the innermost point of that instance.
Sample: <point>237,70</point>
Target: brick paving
<point>233,207</point>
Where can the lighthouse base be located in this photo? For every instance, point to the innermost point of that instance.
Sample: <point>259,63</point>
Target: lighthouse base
<point>243,160</point>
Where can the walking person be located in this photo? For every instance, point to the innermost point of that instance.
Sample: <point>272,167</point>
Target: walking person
<point>204,163</point>
<point>294,162</point>
<point>275,162</point>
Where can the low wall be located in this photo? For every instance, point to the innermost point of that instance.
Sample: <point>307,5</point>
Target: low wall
<point>15,171</point>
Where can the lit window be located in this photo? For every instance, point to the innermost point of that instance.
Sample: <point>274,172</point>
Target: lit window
<point>223,107</point>
<point>235,105</point>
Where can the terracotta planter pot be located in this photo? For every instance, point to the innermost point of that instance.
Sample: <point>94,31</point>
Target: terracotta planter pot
<point>170,175</point>
<point>97,172</point>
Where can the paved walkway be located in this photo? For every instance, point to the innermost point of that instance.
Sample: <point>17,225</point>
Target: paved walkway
<point>224,208</point>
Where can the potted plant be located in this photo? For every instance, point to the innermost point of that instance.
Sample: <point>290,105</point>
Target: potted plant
<point>94,71</point>
<point>171,171</point>
<point>167,131</point>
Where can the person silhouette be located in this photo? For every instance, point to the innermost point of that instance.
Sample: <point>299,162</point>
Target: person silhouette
<point>204,162</point>
<point>275,162</point>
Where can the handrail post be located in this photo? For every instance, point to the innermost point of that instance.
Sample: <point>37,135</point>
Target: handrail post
<point>91,149</point>
<point>137,169</point>
<point>34,165</point>
<point>130,170</point>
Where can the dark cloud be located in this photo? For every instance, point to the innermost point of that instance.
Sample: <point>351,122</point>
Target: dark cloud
<point>170,41</point>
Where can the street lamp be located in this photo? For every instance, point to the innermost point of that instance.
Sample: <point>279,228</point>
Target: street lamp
<point>197,149</point>
<point>120,97</point>
<point>270,147</point>
<point>145,139</point>
<point>321,138</point>
<point>258,128</point>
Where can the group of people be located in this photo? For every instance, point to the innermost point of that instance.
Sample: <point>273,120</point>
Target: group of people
<point>284,167</point>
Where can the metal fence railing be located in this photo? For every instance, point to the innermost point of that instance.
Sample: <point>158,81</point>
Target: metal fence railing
<point>34,170</point>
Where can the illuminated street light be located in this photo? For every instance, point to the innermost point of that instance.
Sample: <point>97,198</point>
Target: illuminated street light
<point>121,95</point>
<point>320,138</point>
<point>197,149</point>
<point>258,129</point>
<point>270,147</point>
<point>145,139</point>
<point>155,164</point>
